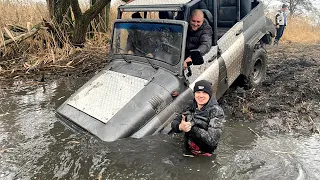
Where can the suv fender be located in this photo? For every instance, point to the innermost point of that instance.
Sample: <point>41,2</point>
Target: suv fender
<point>251,45</point>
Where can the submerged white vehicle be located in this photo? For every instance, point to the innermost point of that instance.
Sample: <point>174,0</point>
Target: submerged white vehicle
<point>139,94</point>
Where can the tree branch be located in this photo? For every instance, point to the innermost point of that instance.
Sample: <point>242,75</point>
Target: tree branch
<point>20,37</point>
<point>96,9</point>
<point>76,8</point>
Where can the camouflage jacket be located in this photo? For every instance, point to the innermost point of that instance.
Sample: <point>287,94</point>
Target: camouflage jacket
<point>207,124</point>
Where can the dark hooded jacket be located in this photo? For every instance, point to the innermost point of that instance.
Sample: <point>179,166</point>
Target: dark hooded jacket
<point>207,125</point>
<point>200,39</point>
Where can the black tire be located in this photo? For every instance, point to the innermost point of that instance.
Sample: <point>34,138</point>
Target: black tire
<point>258,68</point>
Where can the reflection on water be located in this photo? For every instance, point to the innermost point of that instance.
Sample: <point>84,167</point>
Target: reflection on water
<point>34,144</point>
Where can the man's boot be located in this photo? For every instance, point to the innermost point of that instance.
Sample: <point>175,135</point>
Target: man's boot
<point>275,42</point>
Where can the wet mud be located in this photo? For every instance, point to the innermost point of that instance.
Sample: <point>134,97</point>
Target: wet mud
<point>288,101</point>
<point>36,144</point>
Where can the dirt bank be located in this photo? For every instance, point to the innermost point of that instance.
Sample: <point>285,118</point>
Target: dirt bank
<point>287,101</point>
<point>289,98</point>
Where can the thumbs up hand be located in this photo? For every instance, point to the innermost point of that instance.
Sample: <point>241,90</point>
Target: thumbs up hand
<point>184,126</point>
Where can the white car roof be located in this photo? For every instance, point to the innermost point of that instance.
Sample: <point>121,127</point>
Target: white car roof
<point>156,2</point>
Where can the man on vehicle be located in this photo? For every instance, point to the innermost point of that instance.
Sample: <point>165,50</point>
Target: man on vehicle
<point>199,36</point>
<point>202,122</point>
<point>281,22</point>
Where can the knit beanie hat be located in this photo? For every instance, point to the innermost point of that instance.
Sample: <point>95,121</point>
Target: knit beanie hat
<point>204,86</point>
<point>284,6</point>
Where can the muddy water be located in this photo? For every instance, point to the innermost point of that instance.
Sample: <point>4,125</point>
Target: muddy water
<point>35,144</point>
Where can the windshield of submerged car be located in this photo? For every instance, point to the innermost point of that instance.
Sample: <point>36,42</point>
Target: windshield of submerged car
<point>159,41</point>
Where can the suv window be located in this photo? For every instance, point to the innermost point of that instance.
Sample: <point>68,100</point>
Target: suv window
<point>159,41</point>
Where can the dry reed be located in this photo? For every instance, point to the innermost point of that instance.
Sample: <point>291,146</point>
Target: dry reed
<point>20,12</point>
<point>300,30</point>
<point>42,50</point>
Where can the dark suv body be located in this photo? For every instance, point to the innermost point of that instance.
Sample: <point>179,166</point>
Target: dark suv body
<point>140,91</point>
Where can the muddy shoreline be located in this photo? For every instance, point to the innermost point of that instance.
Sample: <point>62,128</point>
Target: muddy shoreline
<point>288,101</point>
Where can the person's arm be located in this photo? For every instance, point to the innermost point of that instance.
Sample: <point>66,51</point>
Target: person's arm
<point>201,122</point>
<point>175,123</point>
<point>179,124</point>
<point>212,135</point>
<point>205,40</point>
<point>277,19</point>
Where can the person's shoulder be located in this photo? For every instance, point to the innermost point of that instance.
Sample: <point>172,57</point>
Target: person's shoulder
<point>206,25</point>
<point>215,108</point>
<point>214,101</point>
<point>205,22</point>
<point>211,103</point>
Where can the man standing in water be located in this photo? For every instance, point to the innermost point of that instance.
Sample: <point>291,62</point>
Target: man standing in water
<point>281,22</point>
<point>202,123</point>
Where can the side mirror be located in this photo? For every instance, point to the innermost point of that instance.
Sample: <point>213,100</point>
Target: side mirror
<point>196,57</point>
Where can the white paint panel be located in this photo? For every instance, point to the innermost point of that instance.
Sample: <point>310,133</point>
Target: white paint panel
<point>107,94</point>
<point>233,58</point>
<point>197,70</point>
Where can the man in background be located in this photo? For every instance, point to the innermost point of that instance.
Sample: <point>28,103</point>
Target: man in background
<point>281,22</point>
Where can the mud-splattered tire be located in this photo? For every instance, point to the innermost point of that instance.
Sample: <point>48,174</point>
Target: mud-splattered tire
<point>258,68</point>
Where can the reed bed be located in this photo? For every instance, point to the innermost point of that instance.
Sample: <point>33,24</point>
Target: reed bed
<point>42,52</point>
<point>301,30</point>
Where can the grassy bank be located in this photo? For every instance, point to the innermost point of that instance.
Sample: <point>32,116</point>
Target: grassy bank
<point>40,55</point>
<point>22,59</point>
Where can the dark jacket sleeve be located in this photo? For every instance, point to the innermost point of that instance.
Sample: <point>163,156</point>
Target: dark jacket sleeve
<point>201,122</point>
<point>277,19</point>
<point>205,39</point>
<point>211,136</point>
<point>175,123</point>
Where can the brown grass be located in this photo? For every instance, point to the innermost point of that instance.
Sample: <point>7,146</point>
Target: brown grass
<point>20,12</point>
<point>20,58</point>
<point>299,30</point>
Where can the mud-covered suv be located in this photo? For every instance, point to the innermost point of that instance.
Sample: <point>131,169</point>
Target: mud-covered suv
<point>141,90</point>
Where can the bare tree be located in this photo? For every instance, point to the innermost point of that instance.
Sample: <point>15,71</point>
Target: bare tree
<point>82,20</point>
<point>60,13</point>
<point>297,7</point>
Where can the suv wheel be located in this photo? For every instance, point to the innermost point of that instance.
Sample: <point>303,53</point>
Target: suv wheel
<point>257,68</point>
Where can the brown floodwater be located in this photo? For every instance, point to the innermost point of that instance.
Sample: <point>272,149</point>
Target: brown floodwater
<point>36,144</point>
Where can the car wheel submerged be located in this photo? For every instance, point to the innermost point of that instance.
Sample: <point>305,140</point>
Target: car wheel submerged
<point>257,68</point>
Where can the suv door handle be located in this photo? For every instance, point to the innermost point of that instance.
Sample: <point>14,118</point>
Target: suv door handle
<point>239,32</point>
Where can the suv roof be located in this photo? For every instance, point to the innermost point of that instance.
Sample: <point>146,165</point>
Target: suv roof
<point>153,5</point>
<point>156,2</point>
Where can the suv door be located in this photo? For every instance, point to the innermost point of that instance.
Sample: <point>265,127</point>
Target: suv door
<point>231,48</point>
